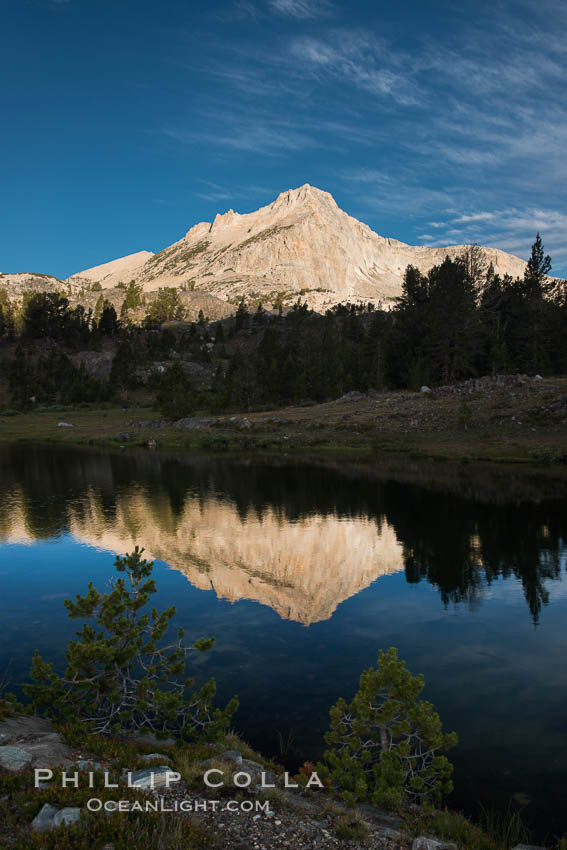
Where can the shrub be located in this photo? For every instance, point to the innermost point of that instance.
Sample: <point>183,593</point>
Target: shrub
<point>117,676</point>
<point>385,745</point>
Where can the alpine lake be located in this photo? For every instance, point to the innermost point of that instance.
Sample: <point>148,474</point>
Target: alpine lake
<point>303,569</point>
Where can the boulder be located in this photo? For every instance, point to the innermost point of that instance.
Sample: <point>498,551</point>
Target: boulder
<point>151,777</point>
<point>193,423</point>
<point>14,759</point>
<point>231,755</point>
<point>353,395</point>
<point>257,773</point>
<point>69,814</point>
<point>18,728</point>
<point>527,847</point>
<point>44,818</point>
<point>36,737</point>
<point>424,843</point>
<point>88,766</point>
<point>49,751</point>
<point>236,764</point>
<point>154,756</point>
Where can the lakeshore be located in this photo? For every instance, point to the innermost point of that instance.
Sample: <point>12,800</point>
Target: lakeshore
<point>506,419</point>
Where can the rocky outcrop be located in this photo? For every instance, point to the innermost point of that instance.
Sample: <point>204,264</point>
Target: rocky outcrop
<point>31,742</point>
<point>19,283</point>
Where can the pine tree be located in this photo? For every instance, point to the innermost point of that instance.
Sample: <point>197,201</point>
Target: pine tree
<point>118,677</point>
<point>537,269</point>
<point>242,317</point>
<point>174,397</point>
<point>385,745</point>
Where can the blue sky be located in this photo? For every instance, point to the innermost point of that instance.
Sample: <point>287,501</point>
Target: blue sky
<point>124,122</point>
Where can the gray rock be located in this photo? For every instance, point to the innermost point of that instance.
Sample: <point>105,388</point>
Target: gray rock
<point>151,777</point>
<point>231,755</point>
<point>240,422</point>
<point>527,847</point>
<point>423,843</point>
<point>44,818</point>
<point>35,735</point>
<point>153,756</point>
<point>381,818</point>
<point>14,759</point>
<point>65,425</point>
<point>49,751</point>
<point>18,728</point>
<point>149,739</point>
<point>353,395</point>
<point>86,765</point>
<point>193,423</point>
<point>387,832</point>
<point>256,772</point>
<point>424,389</point>
<point>66,816</point>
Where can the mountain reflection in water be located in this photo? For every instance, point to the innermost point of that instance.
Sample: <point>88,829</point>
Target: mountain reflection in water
<point>298,538</point>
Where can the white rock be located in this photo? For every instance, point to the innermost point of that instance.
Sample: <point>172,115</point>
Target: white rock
<point>65,425</point>
<point>424,389</point>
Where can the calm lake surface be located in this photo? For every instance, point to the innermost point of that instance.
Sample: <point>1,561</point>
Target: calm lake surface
<point>303,571</point>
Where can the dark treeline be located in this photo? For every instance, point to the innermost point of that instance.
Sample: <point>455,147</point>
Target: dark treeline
<point>461,320</point>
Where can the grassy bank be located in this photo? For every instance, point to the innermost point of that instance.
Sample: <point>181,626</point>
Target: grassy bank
<point>518,422</point>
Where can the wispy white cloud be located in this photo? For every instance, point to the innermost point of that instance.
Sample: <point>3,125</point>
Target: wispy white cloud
<point>359,59</point>
<point>303,9</point>
<point>215,192</point>
<point>267,137</point>
<point>472,218</point>
<point>396,192</point>
<point>511,230</point>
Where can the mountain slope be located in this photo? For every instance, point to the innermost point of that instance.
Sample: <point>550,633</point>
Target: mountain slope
<point>300,243</point>
<point>110,274</point>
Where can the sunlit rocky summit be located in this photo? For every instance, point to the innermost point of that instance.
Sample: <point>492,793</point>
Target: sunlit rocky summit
<point>302,244</point>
